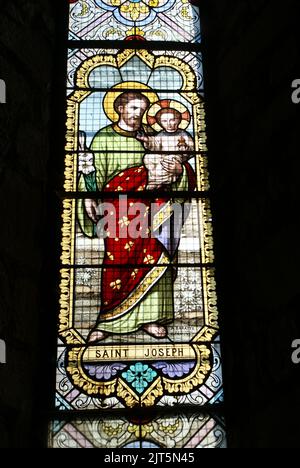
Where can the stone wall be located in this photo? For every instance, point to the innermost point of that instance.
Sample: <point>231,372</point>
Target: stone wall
<point>251,58</point>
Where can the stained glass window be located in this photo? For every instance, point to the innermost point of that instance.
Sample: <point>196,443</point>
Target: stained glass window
<point>152,20</point>
<point>138,320</point>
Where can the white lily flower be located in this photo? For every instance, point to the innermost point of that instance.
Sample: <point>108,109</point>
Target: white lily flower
<point>86,163</point>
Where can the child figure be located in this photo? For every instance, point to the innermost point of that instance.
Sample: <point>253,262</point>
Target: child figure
<point>171,139</point>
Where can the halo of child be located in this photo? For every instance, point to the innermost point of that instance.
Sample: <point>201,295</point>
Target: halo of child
<point>170,119</point>
<point>165,106</point>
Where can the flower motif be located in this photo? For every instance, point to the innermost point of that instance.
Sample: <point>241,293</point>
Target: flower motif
<point>140,376</point>
<point>134,32</point>
<point>86,163</point>
<point>110,256</point>
<point>113,428</point>
<point>84,276</point>
<point>104,372</point>
<point>124,221</point>
<point>116,284</point>
<point>173,370</point>
<point>142,430</point>
<point>134,273</point>
<point>129,246</point>
<point>136,12</point>
<point>149,259</point>
<point>135,9</point>
<point>166,426</point>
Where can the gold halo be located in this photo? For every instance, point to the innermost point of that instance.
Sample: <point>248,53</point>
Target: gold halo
<point>168,104</point>
<point>113,93</point>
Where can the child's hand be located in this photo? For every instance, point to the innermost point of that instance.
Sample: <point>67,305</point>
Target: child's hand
<point>142,137</point>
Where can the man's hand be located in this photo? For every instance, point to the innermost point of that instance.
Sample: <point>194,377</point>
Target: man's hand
<point>91,208</point>
<point>173,167</point>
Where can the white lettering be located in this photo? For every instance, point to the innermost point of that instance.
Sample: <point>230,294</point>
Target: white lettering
<point>106,227</point>
<point>2,352</point>
<point>138,226</point>
<point>296,93</point>
<point>135,221</point>
<point>2,92</point>
<point>296,353</point>
<point>124,459</point>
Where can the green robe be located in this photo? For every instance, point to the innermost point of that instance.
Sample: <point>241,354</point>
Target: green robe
<point>115,151</point>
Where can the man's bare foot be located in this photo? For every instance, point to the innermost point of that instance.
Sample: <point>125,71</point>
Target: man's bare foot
<point>96,336</point>
<point>157,331</point>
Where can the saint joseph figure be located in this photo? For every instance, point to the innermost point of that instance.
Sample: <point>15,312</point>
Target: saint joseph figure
<point>133,297</point>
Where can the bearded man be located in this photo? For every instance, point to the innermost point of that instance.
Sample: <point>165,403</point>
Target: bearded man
<point>133,297</point>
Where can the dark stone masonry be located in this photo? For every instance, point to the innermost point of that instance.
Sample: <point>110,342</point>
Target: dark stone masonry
<point>251,57</point>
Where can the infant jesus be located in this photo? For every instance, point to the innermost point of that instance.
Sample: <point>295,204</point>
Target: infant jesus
<point>171,139</point>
